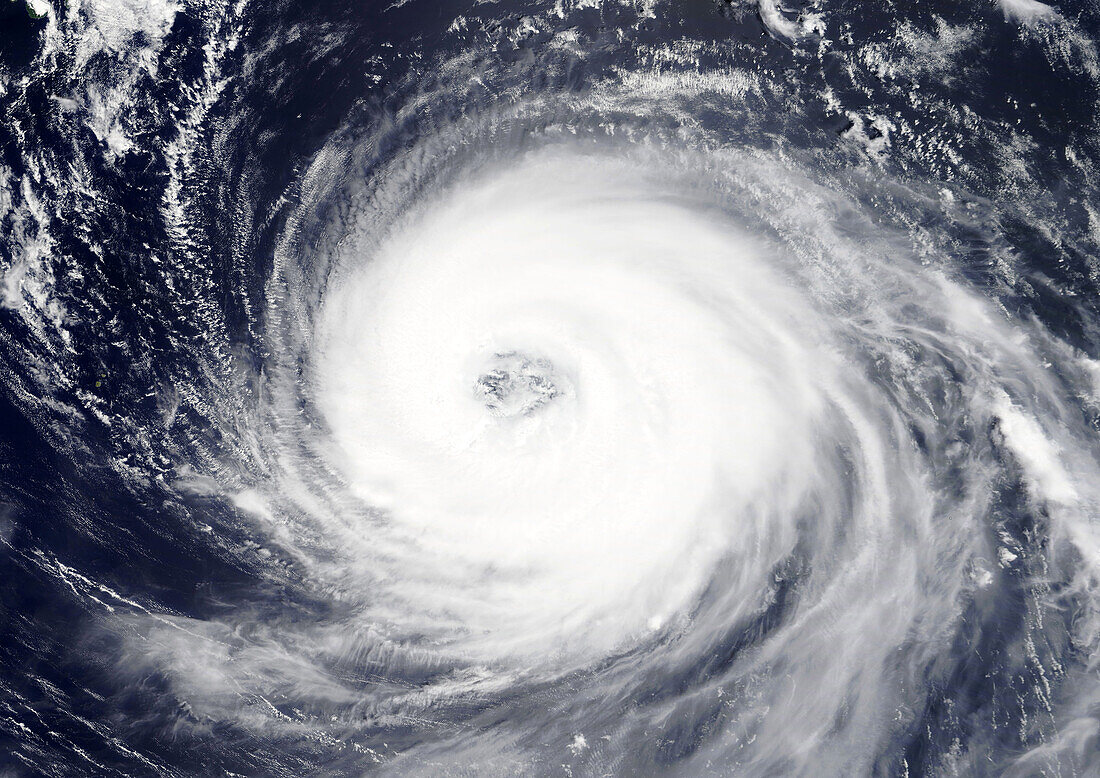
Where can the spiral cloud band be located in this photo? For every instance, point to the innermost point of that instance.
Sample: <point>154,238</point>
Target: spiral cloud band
<point>579,388</point>
<point>598,401</point>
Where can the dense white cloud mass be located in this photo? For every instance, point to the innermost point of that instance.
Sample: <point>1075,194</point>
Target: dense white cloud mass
<point>586,387</point>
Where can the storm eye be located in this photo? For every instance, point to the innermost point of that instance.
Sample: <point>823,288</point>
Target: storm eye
<point>516,385</point>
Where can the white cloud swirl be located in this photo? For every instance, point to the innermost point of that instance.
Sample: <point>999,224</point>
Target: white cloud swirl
<point>654,403</point>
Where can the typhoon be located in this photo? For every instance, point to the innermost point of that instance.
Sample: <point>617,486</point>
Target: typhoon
<point>574,388</point>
